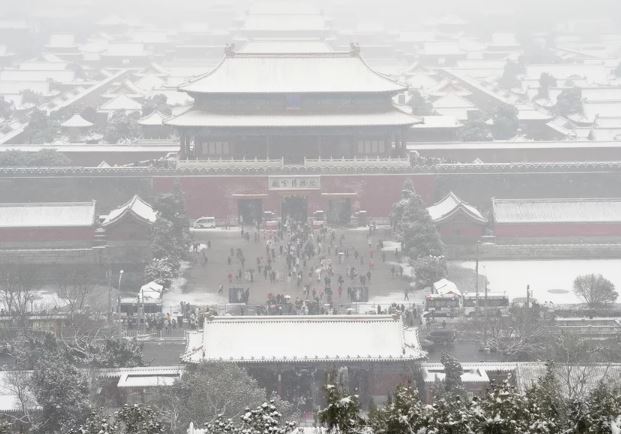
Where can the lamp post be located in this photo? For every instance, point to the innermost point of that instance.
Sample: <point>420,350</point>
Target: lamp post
<point>120,278</point>
<point>111,309</point>
<point>476,272</point>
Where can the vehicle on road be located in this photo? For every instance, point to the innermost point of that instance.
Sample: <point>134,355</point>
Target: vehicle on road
<point>492,303</point>
<point>205,223</point>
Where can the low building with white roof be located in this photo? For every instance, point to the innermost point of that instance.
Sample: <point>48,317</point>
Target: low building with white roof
<point>557,219</point>
<point>372,354</point>
<point>456,220</point>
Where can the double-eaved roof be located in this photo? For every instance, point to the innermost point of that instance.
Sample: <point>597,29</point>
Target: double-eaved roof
<point>292,73</point>
<point>452,205</point>
<point>51,214</point>
<point>577,210</point>
<point>321,338</point>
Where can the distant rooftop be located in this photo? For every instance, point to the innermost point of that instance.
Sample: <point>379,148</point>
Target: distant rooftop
<point>286,46</point>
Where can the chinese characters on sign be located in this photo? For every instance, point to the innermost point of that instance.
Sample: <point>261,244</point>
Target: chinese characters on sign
<point>294,182</point>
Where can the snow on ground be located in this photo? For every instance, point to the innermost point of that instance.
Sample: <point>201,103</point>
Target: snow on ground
<point>391,246</point>
<point>549,280</point>
<point>398,297</point>
<point>171,300</point>
<point>216,229</point>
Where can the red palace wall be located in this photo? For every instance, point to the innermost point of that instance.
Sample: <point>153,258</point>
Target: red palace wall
<point>129,230</point>
<point>459,228</point>
<point>523,230</point>
<point>213,195</point>
<point>51,234</point>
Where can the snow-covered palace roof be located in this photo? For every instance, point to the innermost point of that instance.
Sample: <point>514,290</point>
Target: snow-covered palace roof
<point>320,338</point>
<point>451,205</point>
<point>51,214</point>
<point>254,73</point>
<point>135,207</point>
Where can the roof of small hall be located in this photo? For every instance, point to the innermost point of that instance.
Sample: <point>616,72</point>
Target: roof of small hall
<point>269,339</point>
<point>76,121</point>
<point>451,205</point>
<point>135,207</point>
<point>50,214</point>
<point>256,73</point>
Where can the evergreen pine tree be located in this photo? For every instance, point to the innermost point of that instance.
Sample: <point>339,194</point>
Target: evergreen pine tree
<point>414,227</point>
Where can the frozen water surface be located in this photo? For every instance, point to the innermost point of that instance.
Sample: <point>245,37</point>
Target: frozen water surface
<point>550,280</point>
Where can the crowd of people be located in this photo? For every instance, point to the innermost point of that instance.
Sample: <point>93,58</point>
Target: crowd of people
<point>319,266</point>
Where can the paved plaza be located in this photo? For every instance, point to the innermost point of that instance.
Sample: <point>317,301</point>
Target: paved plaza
<point>211,268</point>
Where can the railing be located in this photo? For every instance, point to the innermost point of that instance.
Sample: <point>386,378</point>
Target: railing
<point>310,164</point>
<point>231,164</point>
<point>362,163</point>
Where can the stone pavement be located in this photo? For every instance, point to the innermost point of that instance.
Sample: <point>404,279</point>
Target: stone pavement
<point>204,277</point>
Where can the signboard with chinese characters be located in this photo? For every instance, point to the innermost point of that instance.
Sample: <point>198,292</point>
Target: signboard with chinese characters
<point>294,182</point>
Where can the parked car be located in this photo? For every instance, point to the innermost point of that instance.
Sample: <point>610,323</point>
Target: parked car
<point>205,223</point>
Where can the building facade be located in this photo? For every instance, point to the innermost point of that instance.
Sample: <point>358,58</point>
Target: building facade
<point>298,113</point>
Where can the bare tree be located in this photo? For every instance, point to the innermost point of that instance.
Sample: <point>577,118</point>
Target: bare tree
<point>580,364</point>
<point>17,285</point>
<point>74,287</point>
<point>595,289</point>
<point>18,383</point>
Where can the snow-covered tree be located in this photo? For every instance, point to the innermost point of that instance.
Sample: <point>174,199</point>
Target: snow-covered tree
<point>405,414</point>
<point>547,405</point>
<point>452,375</point>
<point>120,126</point>
<point>264,419</point>
<point>429,269</point>
<point>505,122</point>
<point>414,227</point>
<point>503,410</point>
<point>600,412</point>
<point>61,391</point>
<point>209,392</point>
<point>130,419</point>
<point>420,105</point>
<point>569,101</point>
<point>342,413</point>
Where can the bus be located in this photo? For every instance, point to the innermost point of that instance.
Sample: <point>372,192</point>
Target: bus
<point>493,303</point>
<point>443,305</point>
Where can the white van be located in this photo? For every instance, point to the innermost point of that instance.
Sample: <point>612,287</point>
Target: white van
<point>205,223</point>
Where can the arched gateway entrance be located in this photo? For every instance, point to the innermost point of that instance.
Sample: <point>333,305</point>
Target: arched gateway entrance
<point>294,208</point>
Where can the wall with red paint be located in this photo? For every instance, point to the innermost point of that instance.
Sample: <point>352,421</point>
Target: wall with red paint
<point>11,236</point>
<point>459,228</point>
<point>213,195</point>
<point>129,229</point>
<point>543,230</point>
